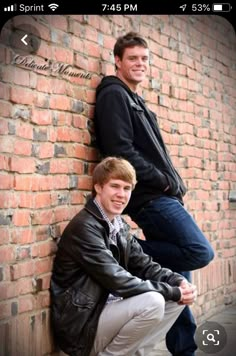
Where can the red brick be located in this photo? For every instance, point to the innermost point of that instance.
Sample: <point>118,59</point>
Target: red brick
<point>46,279</point>
<point>7,254</point>
<point>22,236</point>
<point>42,217</point>
<point>104,24</point>
<point>81,62</point>
<point>77,43</point>
<point>4,163</point>
<point>91,34</point>
<point>43,266</point>
<point>61,214</point>
<point>84,152</point>
<point>6,144</point>
<point>24,130</point>
<point>21,218</point>
<point>24,286</point>
<point>22,182</point>
<point>90,95</point>
<point>5,236</point>
<point>6,181</point>
<point>44,84</point>
<point>8,200</point>
<point>3,127</point>
<point>77,167</point>
<point>79,121</point>
<point>58,22</point>
<point>21,77</point>
<point>41,233</point>
<point>42,200</point>
<point>92,49</point>
<point>41,117</point>
<point>85,183</point>
<point>68,134</point>
<point>60,102</point>
<point>8,290</point>
<point>93,67</point>
<point>42,183</point>
<point>47,248</point>
<point>43,300</point>
<point>77,197</point>
<point>60,182</point>
<point>46,150</point>
<point>26,303</point>
<point>22,269</point>
<point>60,165</point>
<point>42,100</point>
<point>4,91</point>
<point>62,55</point>
<point>22,165</point>
<point>5,310</point>
<point>63,118</point>
<point>21,95</point>
<point>22,147</point>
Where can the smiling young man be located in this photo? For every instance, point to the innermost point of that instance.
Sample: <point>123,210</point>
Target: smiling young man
<point>125,127</point>
<point>108,297</point>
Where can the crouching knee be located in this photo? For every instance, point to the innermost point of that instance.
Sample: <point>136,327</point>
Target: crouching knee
<point>155,302</point>
<point>205,257</point>
<point>198,256</point>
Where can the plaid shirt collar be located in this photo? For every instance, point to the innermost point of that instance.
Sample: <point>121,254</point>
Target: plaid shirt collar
<point>114,226</point>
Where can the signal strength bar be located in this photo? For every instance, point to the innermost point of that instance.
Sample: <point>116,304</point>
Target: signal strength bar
<point>11,8</point>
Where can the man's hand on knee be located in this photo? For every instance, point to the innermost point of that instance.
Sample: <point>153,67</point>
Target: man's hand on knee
<point>188,293</point>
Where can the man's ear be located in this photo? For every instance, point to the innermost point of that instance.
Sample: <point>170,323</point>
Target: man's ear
<point>97,188</point>
<point>117,61</point>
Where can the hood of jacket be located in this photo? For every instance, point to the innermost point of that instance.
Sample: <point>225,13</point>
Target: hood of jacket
<point>113,80</point>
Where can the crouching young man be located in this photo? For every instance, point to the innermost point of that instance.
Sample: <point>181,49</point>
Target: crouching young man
<point>108,297</point>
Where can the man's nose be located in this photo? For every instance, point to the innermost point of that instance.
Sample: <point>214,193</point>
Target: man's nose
<point>121,192</point>
<point>140,61</point>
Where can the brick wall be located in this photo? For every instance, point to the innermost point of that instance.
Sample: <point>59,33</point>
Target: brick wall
<point>47,149</point>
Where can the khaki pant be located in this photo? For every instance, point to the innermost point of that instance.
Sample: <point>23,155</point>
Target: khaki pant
<point>133,326</point>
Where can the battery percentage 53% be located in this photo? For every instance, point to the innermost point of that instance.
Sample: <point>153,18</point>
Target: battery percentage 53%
<point>201,7</point>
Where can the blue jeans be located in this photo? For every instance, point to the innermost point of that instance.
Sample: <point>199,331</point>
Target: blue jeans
<point>175,241</point>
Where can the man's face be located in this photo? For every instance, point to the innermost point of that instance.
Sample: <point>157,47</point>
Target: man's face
<point>132,68</point>
<point>113,196</point>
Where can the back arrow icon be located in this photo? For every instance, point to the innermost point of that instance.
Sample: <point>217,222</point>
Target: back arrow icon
<point>24,40</point>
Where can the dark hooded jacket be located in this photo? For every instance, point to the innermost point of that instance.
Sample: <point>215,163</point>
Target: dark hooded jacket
<point>125,127</point>
<point>87,267</point>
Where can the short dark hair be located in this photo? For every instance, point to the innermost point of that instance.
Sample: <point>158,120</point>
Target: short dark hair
<point>113,168</point>
<point>131,39</point>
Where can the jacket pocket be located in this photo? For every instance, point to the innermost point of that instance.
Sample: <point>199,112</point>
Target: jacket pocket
<point>71,305</point>
<point>173,185</point>
<point>77,303</point>
<point>70,314</point>
<point>81,300</point>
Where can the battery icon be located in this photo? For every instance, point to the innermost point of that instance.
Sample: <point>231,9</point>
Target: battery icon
<point>225,7</point>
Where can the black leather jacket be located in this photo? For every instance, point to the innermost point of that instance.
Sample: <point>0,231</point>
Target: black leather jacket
<point>126,128</point>
<point>87,268</point>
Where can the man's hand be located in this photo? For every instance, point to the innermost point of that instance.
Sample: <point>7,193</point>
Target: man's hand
<point>188,293</point>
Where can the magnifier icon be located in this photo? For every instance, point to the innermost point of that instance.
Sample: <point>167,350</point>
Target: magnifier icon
<point>210,337</point>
